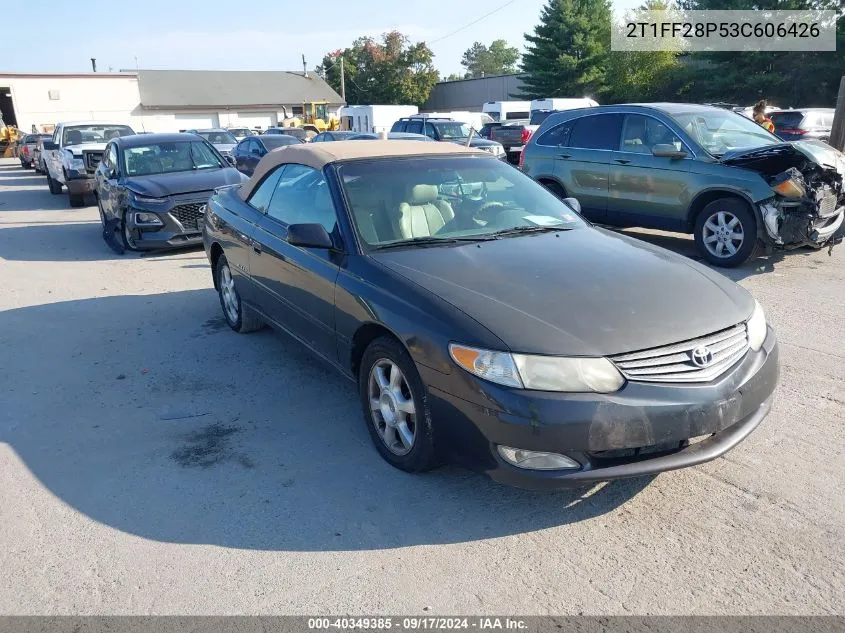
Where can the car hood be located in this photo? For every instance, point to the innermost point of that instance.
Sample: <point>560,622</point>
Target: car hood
<point>789,154</point>
<point>585,292</point>
<point>86,147</point>
<point>162,185</point>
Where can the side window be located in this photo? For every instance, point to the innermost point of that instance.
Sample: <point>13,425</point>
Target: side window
<point>429,131</point>
<point>111,157</point>
<point>242,147</point>
<point>558,136</point>
<point>414,127</point>
<point>319,138</point>
<point>642,133</point>
<point>302,196</point>
<point>260,198</point>
<point>599,131</point>
<point>399,126</point>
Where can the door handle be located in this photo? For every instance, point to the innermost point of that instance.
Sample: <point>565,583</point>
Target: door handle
<point>622,161</point>
<point>565,155</point>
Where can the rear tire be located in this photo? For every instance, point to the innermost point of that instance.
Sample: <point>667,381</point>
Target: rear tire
<point>726,233</point>
<point>406,411</point>
<point>55,187</point>
<point>239,317</point>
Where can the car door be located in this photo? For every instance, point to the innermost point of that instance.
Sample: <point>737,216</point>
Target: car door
<point>299,281</point>
<point>107,178</point>
<point>239,155</point>
<point>582,164</point>
<point>255,151</point>
<point>647,190</point>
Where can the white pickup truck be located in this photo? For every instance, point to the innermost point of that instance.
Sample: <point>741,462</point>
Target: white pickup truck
<point>72,155</point>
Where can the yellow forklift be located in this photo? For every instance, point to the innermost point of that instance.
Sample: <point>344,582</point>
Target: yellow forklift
<point>315,114</point>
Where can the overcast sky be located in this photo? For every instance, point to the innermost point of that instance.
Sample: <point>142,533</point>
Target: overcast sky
<point>251,35</point>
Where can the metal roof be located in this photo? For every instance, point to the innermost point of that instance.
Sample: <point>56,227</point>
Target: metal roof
<point>227,88</point>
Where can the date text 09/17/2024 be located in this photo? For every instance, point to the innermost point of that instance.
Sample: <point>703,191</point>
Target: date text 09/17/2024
<point>417,623</point>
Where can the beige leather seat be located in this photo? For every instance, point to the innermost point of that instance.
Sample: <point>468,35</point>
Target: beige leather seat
<point>423,214</point>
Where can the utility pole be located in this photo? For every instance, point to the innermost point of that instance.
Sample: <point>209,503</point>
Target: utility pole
<point>342,81</point>
<point>304,66</point>
<point>94,64</point>
<point>837,131</point>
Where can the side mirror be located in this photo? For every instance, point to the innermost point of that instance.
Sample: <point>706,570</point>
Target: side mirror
<point>49,145</point>
<point>573,204</point>
<point>230,159</point>
<point>309,235</point>
<point>665,150</point>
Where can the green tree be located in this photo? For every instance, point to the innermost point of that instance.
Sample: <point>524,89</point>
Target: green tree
<point>391,70</point>
<point>642,75</point>
<point>497,59</point>
<point>453,77</point>
<point>567,54</point>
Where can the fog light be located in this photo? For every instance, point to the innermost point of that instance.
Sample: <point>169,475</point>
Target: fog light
<point>537,460</point>
<point>147,219</point>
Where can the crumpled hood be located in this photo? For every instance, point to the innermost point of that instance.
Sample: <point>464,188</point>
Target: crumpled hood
<point>162,185</point>
<point>816,151</point>
<point>585,292</point>
<point>87,147</point>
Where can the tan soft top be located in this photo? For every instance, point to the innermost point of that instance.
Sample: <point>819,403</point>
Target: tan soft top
<point>318,155</point>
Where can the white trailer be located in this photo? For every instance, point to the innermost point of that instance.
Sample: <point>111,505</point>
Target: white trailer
<point>507,110</point>
<point>562,104</point>
<point>373,118</point>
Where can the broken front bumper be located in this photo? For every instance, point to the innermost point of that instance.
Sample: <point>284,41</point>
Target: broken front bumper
<point>789,226</point>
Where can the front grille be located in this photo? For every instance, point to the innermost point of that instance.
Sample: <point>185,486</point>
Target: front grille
<point>827,204</point>
<point>674,363</point>
<point>188,214</point>
<point>92,160</point>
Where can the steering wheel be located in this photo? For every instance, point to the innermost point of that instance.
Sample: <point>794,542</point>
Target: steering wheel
<point>485,211</point>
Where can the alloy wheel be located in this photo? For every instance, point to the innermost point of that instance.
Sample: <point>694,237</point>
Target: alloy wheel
<point>229,294</point>
<point>723,234</point>
<point>127,235</point>
<point>392,406</point>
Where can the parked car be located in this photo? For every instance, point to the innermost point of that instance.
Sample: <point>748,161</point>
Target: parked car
<point>73,153</point>
<point>156,187</point>
<point>249,151</point>
<point>392,136</point>
<point>513,135</point>
<point>328,137</point>
<point>37,153</point>
<point>516,134</point>
<point>694,169</point>
<point>26,149</point>
<point>298,132</point>
<point>488,128</point>
<point>240,133</point>
<point>449,131</point>
<point>223,140</point>
<point>484,321</point>
<point>803,124</point>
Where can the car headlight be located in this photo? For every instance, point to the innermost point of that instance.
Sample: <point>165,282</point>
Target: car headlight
<point>542,373</point>
<point>76,164</point>
<point>146,199</point>
<point>147,219</point>
<point>756,327</point>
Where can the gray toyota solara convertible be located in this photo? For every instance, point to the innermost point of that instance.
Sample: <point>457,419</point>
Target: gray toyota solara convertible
<point>484,321</point>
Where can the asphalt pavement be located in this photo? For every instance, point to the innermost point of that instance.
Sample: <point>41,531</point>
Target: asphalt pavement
<point>152,461</point>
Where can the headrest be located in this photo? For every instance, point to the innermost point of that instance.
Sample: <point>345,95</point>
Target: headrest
<point>422,194</point>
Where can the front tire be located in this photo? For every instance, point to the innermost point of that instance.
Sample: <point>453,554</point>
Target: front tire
<point>726,233</point>
<point>395,406</point>
<point>239,317</point>
<point>54,186</point>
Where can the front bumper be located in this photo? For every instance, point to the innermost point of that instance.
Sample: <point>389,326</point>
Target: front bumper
<point>173,234</point>
<point>80,185</point>
<point>643,429</point>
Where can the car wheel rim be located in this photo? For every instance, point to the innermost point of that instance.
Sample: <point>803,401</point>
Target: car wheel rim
<point>229,294</point>
<point>392,407</point>
<point>723,234</point>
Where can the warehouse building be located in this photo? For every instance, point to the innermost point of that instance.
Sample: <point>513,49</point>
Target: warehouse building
<point>470,94</point>
<point>161,100</point>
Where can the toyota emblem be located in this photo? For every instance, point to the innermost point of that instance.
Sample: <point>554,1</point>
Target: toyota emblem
<point>701,356</point>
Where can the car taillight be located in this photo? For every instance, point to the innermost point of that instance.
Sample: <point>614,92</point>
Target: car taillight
<point>26,150</point>
<point>526,135</point>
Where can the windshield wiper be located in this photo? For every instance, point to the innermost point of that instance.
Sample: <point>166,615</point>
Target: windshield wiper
<point>518,230</point>
<point>427,240</point>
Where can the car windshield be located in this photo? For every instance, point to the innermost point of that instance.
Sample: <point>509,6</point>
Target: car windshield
<point>218,137</point>
<point>165,158</point>
<point>396,202</point>
<point>76,134</point>
<point>451,130</point>
<point>272,141</point>
<point>720,131</point>
<point>538,116</point>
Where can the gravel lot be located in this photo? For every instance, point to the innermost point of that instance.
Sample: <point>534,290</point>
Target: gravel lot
<point>154,462</point>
